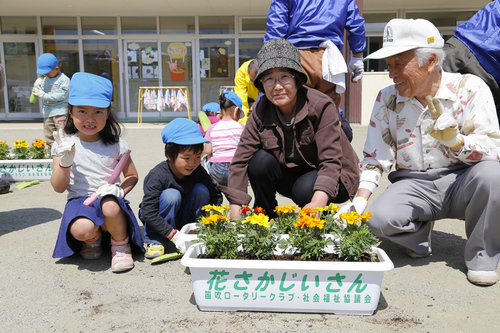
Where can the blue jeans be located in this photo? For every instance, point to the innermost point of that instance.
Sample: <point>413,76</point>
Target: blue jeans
<point>219,172</point>
<point>178,211</point>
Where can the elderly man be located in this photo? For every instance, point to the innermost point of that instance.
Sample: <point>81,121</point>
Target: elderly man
<point>441,132</point>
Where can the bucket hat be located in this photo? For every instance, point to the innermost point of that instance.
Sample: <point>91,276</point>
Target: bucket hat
<point>45,63</point>
<point>401,35</point>
<point>182,131</point>
<point>278,53</point>
<point>90,90</point>
<point>236,101</point>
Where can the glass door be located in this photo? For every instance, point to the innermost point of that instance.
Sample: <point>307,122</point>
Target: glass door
<point>20,74</point>
<point>142,70</point>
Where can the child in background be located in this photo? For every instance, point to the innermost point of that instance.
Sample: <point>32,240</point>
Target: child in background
<point>176,189</point>
<point>212,110</point>
<point>224,137</point>
<point>53,90</point>
<point>83,162</point>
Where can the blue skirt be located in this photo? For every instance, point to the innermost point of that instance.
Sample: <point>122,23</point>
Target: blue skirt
<point>67,245</point>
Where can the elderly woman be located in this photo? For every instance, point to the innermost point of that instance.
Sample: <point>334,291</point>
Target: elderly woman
<point>292,143</point>
<point>440,131</point>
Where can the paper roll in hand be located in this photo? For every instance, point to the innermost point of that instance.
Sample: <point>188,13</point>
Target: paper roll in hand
<point>114,177</point>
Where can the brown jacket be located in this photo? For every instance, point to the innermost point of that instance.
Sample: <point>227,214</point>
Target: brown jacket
<point>319,139</point>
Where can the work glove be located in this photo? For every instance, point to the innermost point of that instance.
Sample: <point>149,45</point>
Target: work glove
<point>38,92</point>
<point>39,83</point>
<point>66,149</point>
<point>358,205</point>
<point>179,243</point>
<point>445,127</point>
<point>356,68</point>
<point>110,189</point>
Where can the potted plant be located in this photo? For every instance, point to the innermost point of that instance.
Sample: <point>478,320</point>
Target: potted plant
<point>25,162</point>
<point>323,265</point>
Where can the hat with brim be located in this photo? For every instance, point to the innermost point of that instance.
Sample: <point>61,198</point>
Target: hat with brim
<point>182,131</point>
<point>401,35</point>
<point>45,63</point>
<point>87,89</point>
<point>236,100</point>
<point>278,53</point>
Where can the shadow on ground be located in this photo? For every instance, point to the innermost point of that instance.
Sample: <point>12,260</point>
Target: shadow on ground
<point>20,219</point>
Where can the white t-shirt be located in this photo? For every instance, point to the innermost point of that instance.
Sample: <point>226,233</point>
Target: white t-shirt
<point>93,164</point>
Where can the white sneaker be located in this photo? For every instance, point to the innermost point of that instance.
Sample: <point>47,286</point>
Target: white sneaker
<point>483,278</point>
<point>415,255</point>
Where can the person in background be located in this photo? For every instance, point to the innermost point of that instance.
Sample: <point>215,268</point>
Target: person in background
<point>84,160</point>
<point>244,87</point>
<point>224,137</point>
<point>441,133</point>
<point>292,143</point>
<point>212,110</point>
<point>175,190</point>
<point>316,28</point>
<point>475,49</point>
<point>53,90</point>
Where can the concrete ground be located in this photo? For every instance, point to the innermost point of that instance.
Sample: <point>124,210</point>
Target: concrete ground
<point>42,294</point>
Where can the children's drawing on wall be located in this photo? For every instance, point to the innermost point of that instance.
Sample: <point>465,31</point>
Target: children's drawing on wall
<point>218,62</point>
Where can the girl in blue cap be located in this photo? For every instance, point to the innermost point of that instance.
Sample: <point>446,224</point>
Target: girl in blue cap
<point>224,137</point>
<point>84,162</point>
<point>176,189</point>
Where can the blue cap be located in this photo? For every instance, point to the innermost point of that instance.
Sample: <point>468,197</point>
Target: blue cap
<point>212,106</point>
<point>46,62</point>
<point>87,89</point>
<point>182,131</point>
<point>233,98</point>
<point>236,101</point>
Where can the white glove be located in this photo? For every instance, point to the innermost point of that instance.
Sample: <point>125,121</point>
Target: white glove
<point>38,92</point>
<point>179,243</point>
<point>358,204</point>
<point>356,68</point>
<point>66,149</point>
<point>110,189</point>
<point>445,127</point>
<point>39,83</point>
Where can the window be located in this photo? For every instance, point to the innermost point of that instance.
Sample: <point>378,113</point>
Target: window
<point>216,25</point>
<point>177,25</point>
<point>20,25</point>
<point>59,25</point>
<point>249,25</point>
<point>139,25</point>
<point>99,26</point>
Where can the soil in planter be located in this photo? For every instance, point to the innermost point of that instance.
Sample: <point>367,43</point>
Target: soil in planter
<point>290,257</point>
<point>193,232</point>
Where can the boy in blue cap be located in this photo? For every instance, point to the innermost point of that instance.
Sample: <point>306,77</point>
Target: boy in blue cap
<point>176,189</point>
<point>53,90</point>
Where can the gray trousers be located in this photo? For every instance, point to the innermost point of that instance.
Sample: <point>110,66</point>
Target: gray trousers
<point>405,212</point>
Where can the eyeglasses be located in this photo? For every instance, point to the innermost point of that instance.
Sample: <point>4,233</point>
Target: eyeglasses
<point>270,81</point>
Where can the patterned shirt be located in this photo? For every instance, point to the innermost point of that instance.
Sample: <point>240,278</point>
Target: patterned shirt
<point>399,126</point>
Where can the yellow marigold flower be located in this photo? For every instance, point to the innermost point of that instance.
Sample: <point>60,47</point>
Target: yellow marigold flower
<point>259,219</point>
<point>25,145</point>
<point>350,217</point>
<point>286,209</point>
<point>2,143</point>
<point>207,208</point>
<point>333,207</point>
<point>366,216</point>
<point>220,209</point>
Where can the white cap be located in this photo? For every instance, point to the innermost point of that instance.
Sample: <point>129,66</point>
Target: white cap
<point>401,35</point>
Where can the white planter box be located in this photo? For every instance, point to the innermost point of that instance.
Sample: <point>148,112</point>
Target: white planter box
<point>351,288</point>
<point>15,170</point>
<point>186,236</point>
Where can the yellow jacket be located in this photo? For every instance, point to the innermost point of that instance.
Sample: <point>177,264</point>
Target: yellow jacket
<point>244,88</point>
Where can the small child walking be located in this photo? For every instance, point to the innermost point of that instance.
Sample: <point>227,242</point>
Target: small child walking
<point>224,137</point>
<point>176,189</point>
<point>84,161</point>
<point>53,90</point>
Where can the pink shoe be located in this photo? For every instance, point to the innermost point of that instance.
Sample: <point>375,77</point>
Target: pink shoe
<point>92,250</point>
<point>121,256</point>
